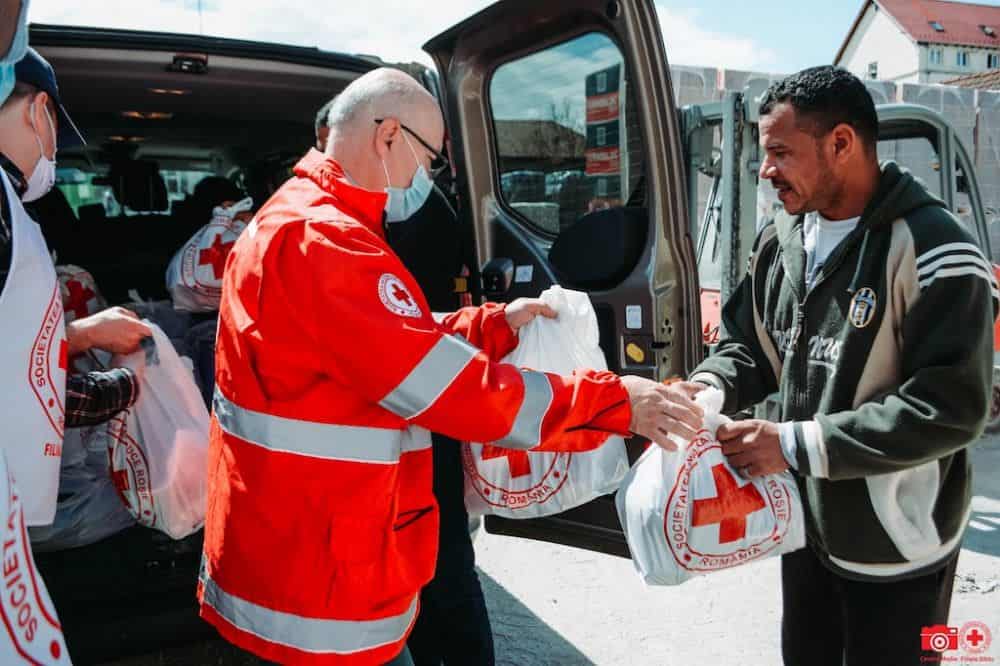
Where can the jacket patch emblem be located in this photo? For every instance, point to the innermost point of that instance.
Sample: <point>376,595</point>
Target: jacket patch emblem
<point>396,298</point>
<point>863,307</point>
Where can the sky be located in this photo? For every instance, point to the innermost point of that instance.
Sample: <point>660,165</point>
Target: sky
<point>765,35</point>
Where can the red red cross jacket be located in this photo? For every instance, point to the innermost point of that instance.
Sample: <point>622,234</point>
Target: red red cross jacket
<point>330,370</point>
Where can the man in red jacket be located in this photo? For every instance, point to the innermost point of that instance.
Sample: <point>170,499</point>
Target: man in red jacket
<point>330,371</point>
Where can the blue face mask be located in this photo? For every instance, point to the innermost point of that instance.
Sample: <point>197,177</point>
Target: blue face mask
<point>403,203</point>
<point>18,47</point>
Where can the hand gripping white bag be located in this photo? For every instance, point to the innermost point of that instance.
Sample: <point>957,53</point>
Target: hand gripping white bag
<point>194,275</point>
<point>33,634</point>
<point>530,484</point>
<point>687,512</point>
<point>158,449</point>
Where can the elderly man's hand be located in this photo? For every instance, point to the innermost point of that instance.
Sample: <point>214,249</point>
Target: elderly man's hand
<point>522,311</point>
<point>116,330</point>
<point>659,411</point>
<point>753,447</point>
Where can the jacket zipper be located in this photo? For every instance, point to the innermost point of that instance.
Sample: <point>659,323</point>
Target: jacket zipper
<point>802,399</point>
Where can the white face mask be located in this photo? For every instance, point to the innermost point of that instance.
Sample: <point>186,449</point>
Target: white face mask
<point>44,175</point>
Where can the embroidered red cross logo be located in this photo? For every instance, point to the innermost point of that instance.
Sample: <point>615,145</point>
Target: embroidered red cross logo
<point>729,508</point>
<point>79,296</point>
<point>517,460</point>
<point>975,637</point>
<point>401,295</point>
<point>216,255</point>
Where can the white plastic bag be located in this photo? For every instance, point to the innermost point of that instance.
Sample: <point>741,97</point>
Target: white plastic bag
<point>687,513</point>
<point>194,275</point>
<point>158,449</point>
<point>530,484</point>
<point>31,633</point>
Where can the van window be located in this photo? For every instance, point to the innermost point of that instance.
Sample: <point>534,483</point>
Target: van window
<point>567,141</point>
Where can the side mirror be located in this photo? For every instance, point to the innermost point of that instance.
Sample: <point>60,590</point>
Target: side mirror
<point>498,275</point>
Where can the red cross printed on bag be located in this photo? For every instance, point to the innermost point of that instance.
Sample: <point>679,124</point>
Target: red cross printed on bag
<point>975,637</point>
<point>517,460</point>
<point>729,508</point>
<point>216,255</point>
<point>79,296</point>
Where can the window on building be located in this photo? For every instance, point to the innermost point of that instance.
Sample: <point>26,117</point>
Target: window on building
<point>936,56</point>
<point>962,58</point>
<point>873,70</point>
<point>936,25</point>
<point>993,60</point>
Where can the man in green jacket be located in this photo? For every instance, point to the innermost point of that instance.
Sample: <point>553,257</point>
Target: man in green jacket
<point>869,309</point>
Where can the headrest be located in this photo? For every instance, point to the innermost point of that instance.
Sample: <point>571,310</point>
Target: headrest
<point>601,248</point>
<point>92,213</point>
<point>138,185</point>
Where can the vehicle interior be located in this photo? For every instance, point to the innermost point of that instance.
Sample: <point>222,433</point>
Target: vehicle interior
<point>160,112</point>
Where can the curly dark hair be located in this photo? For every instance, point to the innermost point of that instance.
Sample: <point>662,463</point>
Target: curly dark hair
<point>827,96</point>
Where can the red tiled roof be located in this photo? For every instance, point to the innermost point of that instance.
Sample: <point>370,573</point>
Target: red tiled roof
<point>983,80</point>
<point>960,20</point>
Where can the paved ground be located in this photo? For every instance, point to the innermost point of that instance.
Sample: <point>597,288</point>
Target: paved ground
<point>561,606</point>
<point>556,605</point>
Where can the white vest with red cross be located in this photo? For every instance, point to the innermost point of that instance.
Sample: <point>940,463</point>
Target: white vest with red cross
<point>33,366</point>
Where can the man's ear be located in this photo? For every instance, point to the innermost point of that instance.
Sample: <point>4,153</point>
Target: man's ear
<point>845,142</point>
<point>386,132</point>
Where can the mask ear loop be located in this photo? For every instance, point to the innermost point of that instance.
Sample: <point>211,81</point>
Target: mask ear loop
<point>52,128</point>
<point>412,151</point>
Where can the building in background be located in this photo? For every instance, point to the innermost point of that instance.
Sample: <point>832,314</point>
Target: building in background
<point>921,41</point>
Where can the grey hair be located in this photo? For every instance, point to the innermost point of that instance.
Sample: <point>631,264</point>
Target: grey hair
<point>380,93</point>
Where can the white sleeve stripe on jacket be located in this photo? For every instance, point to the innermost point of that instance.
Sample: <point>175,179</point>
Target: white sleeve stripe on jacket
<point>812,439</point>
<point>961,271</point>
<point>526,432</point>
<point>430,378</point>
<point>316,440</point>
<point>308,634</point>
<point>953,260</point>
<point>947,248</point>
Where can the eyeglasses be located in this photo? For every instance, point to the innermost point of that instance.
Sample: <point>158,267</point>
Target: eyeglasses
<point>438,161</point>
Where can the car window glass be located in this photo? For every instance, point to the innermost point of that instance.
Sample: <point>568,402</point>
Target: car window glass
<point>567,141</point>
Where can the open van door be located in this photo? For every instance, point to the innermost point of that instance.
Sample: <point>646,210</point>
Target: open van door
<point>568,156</point>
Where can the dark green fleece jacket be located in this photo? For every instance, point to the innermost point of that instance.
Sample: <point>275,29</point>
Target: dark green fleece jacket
<point>885,367</point>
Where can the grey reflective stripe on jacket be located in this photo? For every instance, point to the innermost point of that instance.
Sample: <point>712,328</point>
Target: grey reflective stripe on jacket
<point>526,433</point>
<point>317,440</point>
<point>430,378</point>
<point>308,634</point>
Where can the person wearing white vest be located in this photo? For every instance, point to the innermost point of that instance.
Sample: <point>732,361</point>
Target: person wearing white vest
<point>34,358</point>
